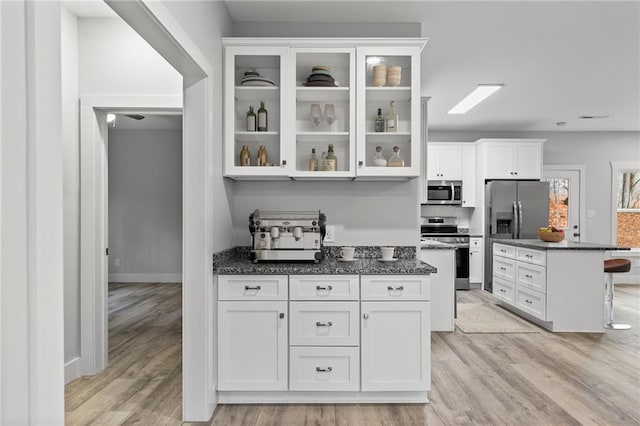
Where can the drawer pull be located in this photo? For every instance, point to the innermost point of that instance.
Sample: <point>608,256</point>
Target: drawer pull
<point>246,287</point>
<point>502,268</point>
<point>327,288</point>
<point>502,290</point>
<point>528,301</point>
<point>399,288</point>
<point>324,324</point>
<point>528,276</point>
<point>529,256</point>
<point>503,251</point>
<point>365,316</point>
<point>324,370</point>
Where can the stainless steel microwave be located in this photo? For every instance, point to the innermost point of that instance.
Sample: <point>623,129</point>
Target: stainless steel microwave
<point>444,192</point>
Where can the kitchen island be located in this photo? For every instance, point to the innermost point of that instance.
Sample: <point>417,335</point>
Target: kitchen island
<point>332,332</point>
<point>559,286</point>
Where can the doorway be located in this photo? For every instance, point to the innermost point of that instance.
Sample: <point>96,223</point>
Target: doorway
<point>566,199</point>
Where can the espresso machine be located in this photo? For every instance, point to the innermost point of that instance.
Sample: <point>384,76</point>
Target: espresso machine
<point>287,236</point>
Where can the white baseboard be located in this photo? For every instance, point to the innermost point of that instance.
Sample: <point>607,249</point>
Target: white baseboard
<point>145,278</point>
<point>71,370</point>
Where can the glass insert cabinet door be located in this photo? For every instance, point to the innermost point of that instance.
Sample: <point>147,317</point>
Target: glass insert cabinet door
<point>389,82</point>
<point>324,87</point>
<point>254,79</point>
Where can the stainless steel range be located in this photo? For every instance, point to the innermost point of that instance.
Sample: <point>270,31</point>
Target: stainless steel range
<point>437,229</point>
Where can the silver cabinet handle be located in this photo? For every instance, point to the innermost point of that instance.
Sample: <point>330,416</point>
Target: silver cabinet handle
<point>324,324</point>
<point>502,268</point>
<point>502,290</point>
<point>365,316</point>
<point>529,256</point>
<point>399,288</point>
<point>324,370</point>
<point>246,287</point>
<point>327,288</point>
<point>528,276</point>
<point>528,301</point>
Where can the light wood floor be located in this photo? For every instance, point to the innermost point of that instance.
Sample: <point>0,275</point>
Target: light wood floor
<point>512,379</point>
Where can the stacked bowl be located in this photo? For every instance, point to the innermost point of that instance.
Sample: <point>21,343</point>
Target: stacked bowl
<point>379,75</point>
<point>394,75</point>
<point>320,76</point>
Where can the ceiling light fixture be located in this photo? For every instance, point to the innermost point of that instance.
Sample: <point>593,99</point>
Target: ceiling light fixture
<point>593,117</point>
<point>479,94</point>
<point>111,118</point>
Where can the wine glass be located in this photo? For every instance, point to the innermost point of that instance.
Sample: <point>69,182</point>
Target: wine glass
<point>316,114</point>
<point>329,114</point>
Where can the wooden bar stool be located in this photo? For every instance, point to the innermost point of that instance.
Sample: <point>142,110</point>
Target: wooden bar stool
<point>613,266</point>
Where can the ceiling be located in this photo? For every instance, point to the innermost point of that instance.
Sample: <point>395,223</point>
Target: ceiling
<point>558,60</point>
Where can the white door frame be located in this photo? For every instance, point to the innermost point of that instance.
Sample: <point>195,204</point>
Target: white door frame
<point>582,170</point>
<point>159,28</point>
<point>94,237</point>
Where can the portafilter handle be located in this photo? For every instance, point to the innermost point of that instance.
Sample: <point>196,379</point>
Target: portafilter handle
<point>297,233</point>
<point>274,232</point>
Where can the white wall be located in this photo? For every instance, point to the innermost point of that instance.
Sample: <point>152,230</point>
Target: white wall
<point>593,149</point>
<point>115,60</point>
<point>71,191</point>
<point>145,205</point>
<point>364,213</point>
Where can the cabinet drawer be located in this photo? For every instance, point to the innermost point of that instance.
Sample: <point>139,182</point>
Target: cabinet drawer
<point>531,276</point>
<point>504,251</point>
<point>537,257</point>
<point>532,302</point>
<point>252,287</point>
<point>504,268</point>
<point>390,287</point>
<point>324,287</point>
<point>324,323</point>
<point>504,291</point>
<point>324,369</point>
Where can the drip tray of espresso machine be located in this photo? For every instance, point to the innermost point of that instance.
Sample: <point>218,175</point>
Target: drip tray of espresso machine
<point>287,236</point>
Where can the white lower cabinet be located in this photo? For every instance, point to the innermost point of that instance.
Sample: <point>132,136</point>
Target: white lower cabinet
<point>252,345</point>
<point>520,279</point>
<point>326,334</point>
<point>315,368</point>
<point>396,346</point>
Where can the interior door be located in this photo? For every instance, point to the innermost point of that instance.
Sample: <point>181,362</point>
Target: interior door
<point>564,201</point>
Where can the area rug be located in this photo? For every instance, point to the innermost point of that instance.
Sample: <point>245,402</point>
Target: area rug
<point>489,318</point>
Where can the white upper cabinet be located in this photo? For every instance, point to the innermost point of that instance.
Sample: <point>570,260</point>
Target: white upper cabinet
<point>254,75</point>
<point>511,159</point>
<point>406,97</point>
<point>334,120</point>
<point>444,161</point>
<point>329,80</point>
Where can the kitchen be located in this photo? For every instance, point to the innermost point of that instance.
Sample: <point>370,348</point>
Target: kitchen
<point>395,202</point>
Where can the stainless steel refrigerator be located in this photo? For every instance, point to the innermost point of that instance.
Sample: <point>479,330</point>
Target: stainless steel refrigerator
<point>513,210</point>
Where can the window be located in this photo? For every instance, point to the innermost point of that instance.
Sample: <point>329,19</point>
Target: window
<point>558,202</point>
<point>628,209</point>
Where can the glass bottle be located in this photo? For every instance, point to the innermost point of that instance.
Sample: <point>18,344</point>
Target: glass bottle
<point>395,160</point>
<point>379,122</point>
<point>323,162</point>
<point>262,118</point>
<point>262,156</point>
<point>332,161</point>
<point>313,161</point>
<point>378,158</point>
<point>251,120</point>
<point>245,156</point>
<point>391,120</point>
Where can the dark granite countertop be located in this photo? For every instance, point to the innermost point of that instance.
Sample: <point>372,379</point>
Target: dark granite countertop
<point>562,245</point>
<point>236,261</point>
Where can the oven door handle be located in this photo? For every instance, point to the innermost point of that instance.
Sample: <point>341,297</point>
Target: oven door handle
<point>453,193</point>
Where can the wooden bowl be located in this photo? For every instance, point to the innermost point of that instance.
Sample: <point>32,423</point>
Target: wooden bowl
<point>551,237</point>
